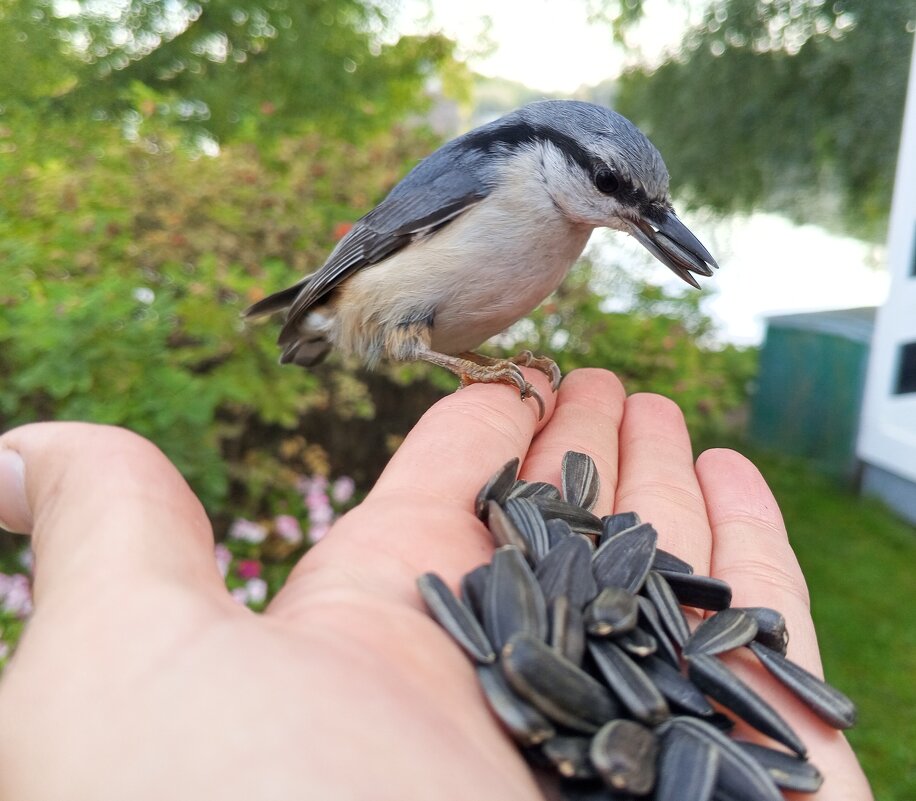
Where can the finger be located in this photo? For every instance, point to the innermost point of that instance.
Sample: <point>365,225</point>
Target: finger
<point>420,514</point>
<point>589,409</point>
<point>462,440</point>
<point>657,478</point>
<point>105,508</point>
<point>751,552</point>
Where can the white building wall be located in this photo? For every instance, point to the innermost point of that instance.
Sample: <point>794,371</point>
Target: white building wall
<point>887,435</point>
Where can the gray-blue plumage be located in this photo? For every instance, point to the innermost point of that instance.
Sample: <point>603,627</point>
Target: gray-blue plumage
<point>539,180</point>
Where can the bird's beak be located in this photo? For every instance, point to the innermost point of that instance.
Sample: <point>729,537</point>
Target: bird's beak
<point>671,242</point>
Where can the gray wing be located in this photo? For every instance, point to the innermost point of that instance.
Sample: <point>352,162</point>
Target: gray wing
<point>436,191</point>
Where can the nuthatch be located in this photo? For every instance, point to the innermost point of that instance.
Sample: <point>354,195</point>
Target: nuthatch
<point>477,235</point>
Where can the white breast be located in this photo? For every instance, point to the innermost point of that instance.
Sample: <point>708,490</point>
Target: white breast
<point>483,271</point>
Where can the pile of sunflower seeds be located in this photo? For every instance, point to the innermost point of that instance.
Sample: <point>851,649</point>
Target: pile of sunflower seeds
<point>584,654</point>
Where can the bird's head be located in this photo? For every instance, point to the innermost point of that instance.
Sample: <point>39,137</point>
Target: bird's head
<point>600,170</point>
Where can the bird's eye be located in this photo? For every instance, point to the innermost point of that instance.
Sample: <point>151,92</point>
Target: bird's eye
<point>606,181</point>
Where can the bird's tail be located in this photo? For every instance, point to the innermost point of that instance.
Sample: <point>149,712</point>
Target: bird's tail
<point>304,344</point>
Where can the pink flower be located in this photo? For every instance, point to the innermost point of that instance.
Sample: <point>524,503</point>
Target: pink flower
<point>249,568</point>
<point>321,514</point>
<point>4,650</point>
<point>27,559</point>
<point>317,532</point>
<point>247,531</point>
<point>342,489</point>
<point>288,529</point>
<point>223,559</point>
<point>17,600</point>
<point>256,589</point>
<point>240,594</point>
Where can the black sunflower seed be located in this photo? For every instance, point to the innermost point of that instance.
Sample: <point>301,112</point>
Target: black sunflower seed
<point>497,488</point>
<point>638,642</point>
<point>613,611</point>
<point>580,520</point>
<point>687,768</point>
<point>787,770</point>
<point>827,702</point>
<point>624,753</point>
<point>512,601</point>
<point>569,757</point>
<point>553,684</point>
<point>739,776</point>
<point>614,524</point>
<point>723,631</point>
<point>722,685</point>
<point>676,688</point>
<point>701,592</point>
<point>635,690</point>
<point>526,725</point>
<point>649,619</point>
<point>557,531</point>
<point>624,559</point>
<point>473,586</point>
<point>566,570</point>
<point>531,526</point>
<point>579,480</point>
<point>455,617</point>
<point>533,489</point>
<point>771,627</point>
<point>504,531</point>
<point>668,561</point>
<point>669,610</point>
<point>567,630</point>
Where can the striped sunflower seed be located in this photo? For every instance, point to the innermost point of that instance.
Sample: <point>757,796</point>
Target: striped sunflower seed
<point>580,520</point>
<point>524,723</point>
<point>687,768</point>
<point>723,631</point>
<point>566,570</point>
<point>827,702</point>
<point>669,610</point>
<point>614,524</point>
<point>629,682</point>
<point>563,692</point>
<point>512,601</point>
<point>504,531</point>
<point>579,480</point>
<point>566,629</point>
<point>473,587</point>
<point>739,775</point>
<point>649,619</point>
<point>455,618</point>
<point>787,770</point>
<point>624,753</point>
<point>533,489</point>
<point>668,561</point>
<point>530,524</point>
<point>497,488</point>
<point>700,592</point>
<point>557,531</point>
<point>624,559</point>
<point>722,685</point>
<point>676,688</point>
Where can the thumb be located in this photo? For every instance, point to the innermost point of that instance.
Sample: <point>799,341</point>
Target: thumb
<point>103,505</point>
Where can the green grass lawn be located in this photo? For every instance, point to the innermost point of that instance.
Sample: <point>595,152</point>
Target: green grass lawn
<point>860,561</point>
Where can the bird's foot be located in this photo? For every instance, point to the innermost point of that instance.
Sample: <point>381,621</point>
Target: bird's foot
<point>472,368</point>
<point>543,363</point>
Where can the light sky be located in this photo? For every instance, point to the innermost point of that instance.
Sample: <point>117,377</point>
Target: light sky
<point>768,265</point>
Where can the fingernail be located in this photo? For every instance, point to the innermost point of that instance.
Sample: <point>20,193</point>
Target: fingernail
<point>15,514</point>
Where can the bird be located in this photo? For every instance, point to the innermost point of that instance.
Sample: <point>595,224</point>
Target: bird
<point>477,235</point>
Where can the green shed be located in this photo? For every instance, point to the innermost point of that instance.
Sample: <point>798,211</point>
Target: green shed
<point>809,390</point>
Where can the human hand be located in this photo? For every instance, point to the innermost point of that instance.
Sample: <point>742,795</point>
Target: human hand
<point>139,677</point>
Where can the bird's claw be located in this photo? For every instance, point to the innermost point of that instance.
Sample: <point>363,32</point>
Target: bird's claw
<point>546,365</point>
<point>504,372</point>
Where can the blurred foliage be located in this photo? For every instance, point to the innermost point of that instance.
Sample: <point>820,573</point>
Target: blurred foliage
<point>164,164</point>
<point>792,105</point>
<point>217,69</point>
